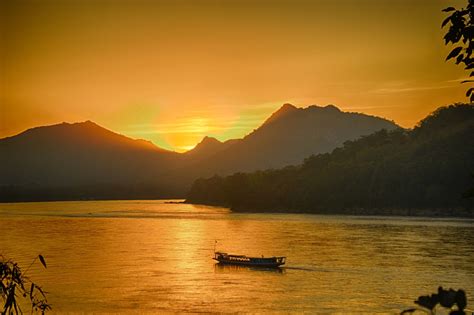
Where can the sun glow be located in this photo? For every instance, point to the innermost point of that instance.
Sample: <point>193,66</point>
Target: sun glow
<point>184,134</point>
<point>167,129</point>
<point>173,72</point>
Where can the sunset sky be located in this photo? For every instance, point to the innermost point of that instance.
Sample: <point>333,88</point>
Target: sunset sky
<point>175,71</point>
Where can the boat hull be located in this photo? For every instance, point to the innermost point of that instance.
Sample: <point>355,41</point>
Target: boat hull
<point>249,264</point>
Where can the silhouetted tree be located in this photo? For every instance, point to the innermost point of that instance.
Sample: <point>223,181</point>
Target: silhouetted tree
<point>460,34</point>
<point>14,284</point>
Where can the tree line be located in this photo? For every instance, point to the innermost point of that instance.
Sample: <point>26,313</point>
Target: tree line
<point>425,170</point>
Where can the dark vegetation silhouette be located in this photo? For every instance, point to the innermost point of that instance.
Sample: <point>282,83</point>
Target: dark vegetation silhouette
<point>84,161</point>
<point>470,192</point>
<point>16,286</point>
<point>424,171</point>
<point>460,34</point>
<point>454,301</point>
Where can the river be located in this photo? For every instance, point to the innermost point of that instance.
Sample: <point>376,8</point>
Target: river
<point>154,256</point>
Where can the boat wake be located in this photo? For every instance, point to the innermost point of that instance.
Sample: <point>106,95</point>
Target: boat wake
<point>302,268</point>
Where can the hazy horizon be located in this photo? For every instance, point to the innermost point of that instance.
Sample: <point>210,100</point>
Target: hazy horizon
<point>174,72</point>
<point>258,124</point>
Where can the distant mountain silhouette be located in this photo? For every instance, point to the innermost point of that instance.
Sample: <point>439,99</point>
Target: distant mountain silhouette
<point>86,161</point>
<point>288,137</point>
<point>81,160</point>
<point>208,147</point>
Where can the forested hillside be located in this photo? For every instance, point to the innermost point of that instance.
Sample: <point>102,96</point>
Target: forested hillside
<point>389,172</point>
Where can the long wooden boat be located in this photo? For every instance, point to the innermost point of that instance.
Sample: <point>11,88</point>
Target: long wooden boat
<point>224,258</point>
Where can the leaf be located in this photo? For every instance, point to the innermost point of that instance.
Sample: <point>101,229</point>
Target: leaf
<point>41,291</point>
<point>15,305</point>
<point>447,298</point>
<point>428,301</point>
<point>450,36</point>
<point>41,258</point>
<point>446,38</point>
<point>10,299</point>
<point>31,290</point>
<point>448,9</point>
<point>454,53</point>
<point>461,300</point>
<point>446,20</point>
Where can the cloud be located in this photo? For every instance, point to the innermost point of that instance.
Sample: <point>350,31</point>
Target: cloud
<point>195,125</point>
<point>394,90</point>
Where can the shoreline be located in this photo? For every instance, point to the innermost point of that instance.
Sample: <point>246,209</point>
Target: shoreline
<point>362,212</point>
<point>453,212</point>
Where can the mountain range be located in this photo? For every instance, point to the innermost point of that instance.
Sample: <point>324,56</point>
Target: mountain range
<point>426,171</point>
<point>289,136</point>
<point>86,161</point>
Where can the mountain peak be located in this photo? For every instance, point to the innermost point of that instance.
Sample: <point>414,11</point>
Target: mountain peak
<point>208,140</point>
<point>206,147</point>
<point>287,107</point>
<point>81,133</point>
<point>332,108</point>
<point>284,110</point>
<point>87,122</point>
<point>84,124</point>
<point>327,108</point>
<point>207,143</point>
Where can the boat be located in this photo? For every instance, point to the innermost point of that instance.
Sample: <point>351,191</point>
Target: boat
<point>242,260</point>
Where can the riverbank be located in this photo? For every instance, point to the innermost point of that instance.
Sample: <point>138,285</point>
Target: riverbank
<point>403,212</point>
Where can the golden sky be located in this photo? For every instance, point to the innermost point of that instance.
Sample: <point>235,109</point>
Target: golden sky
<point>175,71</point>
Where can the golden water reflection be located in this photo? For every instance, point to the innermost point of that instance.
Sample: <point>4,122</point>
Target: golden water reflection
<point>149,256</point>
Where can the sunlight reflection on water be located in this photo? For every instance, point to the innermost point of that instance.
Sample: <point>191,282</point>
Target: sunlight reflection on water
<point>151,256</point>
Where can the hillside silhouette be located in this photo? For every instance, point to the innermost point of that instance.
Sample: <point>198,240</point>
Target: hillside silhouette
<point>86,161</point>
<point>208,147</point>
<point>287,137</point>
<point>387,172</point>
<point>80,161</point>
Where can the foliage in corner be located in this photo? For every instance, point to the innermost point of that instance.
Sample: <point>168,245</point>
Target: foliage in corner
<point>15,285</point>
<point>452,300</point>
<point>460,34</point>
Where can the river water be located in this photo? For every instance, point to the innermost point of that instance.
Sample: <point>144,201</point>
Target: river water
<point>152,256</point>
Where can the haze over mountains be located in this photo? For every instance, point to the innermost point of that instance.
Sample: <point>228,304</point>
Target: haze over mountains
<point>86,161</point>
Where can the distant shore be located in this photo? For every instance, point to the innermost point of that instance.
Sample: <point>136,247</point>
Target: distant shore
<point>406,212</point>
<point>172,199</point>
<point>409,212</point>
